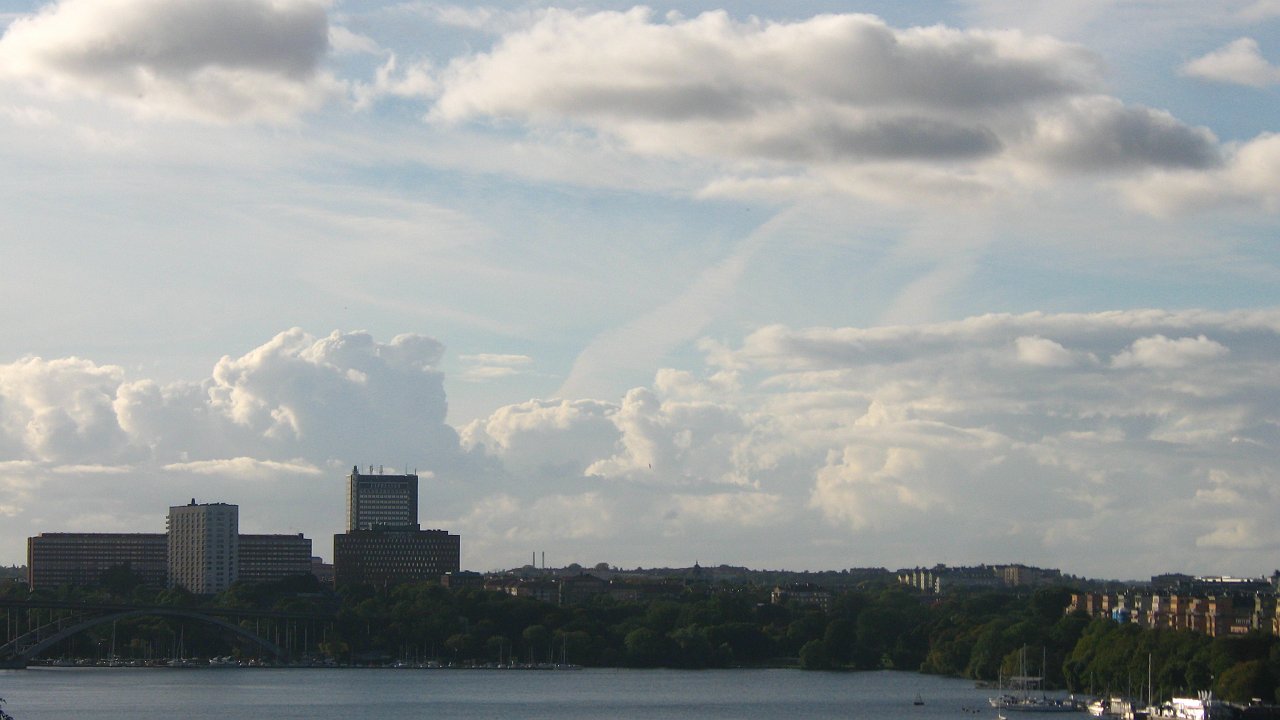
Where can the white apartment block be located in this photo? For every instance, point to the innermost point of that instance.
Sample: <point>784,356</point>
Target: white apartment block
<point>204,546</point>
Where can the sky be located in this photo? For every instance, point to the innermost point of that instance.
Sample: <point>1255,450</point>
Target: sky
<point>803,285</point>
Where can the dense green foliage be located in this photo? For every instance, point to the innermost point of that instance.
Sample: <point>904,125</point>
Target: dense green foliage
<point>1121,658</point>
<point>983,636</point>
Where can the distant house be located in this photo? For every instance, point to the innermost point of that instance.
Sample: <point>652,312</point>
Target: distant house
<point>637,591</point>
<point>462,579</point>
<point>803,594</point>
<point>580,589</point>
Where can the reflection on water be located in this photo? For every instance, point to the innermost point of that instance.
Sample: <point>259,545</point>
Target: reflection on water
<point>342,694</point>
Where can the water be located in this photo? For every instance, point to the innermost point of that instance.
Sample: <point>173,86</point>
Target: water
<point>344,694</point>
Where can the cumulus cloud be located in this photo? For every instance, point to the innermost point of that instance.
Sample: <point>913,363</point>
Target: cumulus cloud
<point>1161,352</point>
<point>1042,438</point>
<point>60,410</point>
<point>1249,177</point>
<point>1101,133</point>
<point>671,441</point>
<point>709,84</point>
<point>557,435</point>
<point>734,510</point>
<point>230,60</point>
<point>295,396</point>
<point>1238,62</point>
<point>1024,436</point>
<point>1043,352</point>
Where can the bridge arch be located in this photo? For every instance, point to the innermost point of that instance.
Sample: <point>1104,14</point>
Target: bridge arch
<point>33,651</point>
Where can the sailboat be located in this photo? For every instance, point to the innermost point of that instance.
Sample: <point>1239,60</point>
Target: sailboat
<point>1022,700</point>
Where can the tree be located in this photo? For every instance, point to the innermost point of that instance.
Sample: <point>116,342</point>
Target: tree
<point>840,638</point>
<point>815,656</point>
<point>537,639</point>
<point>1245,681</point>
<point>645,648</point>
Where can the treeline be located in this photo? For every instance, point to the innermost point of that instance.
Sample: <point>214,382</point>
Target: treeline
<point>699,629</point>
<point>981,635</point>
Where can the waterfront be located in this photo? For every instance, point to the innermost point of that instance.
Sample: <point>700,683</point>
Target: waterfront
<point>255,694</point>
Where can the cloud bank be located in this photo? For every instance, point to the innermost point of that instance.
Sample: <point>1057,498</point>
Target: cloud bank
<point>1047,439</point>
<point>843,97</point>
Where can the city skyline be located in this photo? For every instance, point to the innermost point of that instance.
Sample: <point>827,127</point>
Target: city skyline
<point>812,286</point>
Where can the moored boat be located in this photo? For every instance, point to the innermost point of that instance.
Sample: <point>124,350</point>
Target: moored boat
<point>1022,699</point>
<point>1202,707</point>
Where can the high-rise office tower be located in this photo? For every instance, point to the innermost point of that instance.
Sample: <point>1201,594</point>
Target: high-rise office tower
<point>383,543</point>
<point>204,546</point>
<point>381,501</point>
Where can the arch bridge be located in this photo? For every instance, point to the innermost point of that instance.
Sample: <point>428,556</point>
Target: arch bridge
<point>25,641</point>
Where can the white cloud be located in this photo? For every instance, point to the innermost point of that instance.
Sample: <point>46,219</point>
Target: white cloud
<point>1161,352</point>
<point>497,359</point>
<point>245,467</point>
<point>1101,133</point>
<point>294,394</point>
<point>1249,177</point>
<point>92,469</point>
<point>1043,352</point>
<point>845,100</point>
<point>866,488</point>
<point>1238,62</point>
<point>60,410</point>
<point>464,16</point>
<point>994,438</point>
<point>234,60</point>
<point>672,442</point>
<point>343,41</point>
<point>491,366</point>
<point>558,436</point>
<point>503,526</point>
<point>415,80</point>
<point>1240,534</point>
<point>729,510</point>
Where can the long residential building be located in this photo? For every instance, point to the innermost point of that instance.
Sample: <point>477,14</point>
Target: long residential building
<point>1216,614</point>
<point>203,547</point>
<point>940,578</point>
<point>55,559</point>
<point>264,558</point>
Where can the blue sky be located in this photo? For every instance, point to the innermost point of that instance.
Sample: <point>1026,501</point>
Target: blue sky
<point>808,285</point>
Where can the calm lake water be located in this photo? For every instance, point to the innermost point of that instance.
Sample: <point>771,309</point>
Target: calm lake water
<point>340,694</point>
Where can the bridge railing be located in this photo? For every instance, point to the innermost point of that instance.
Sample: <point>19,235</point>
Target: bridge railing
<point>18,646</point>
<point>73,618</point>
